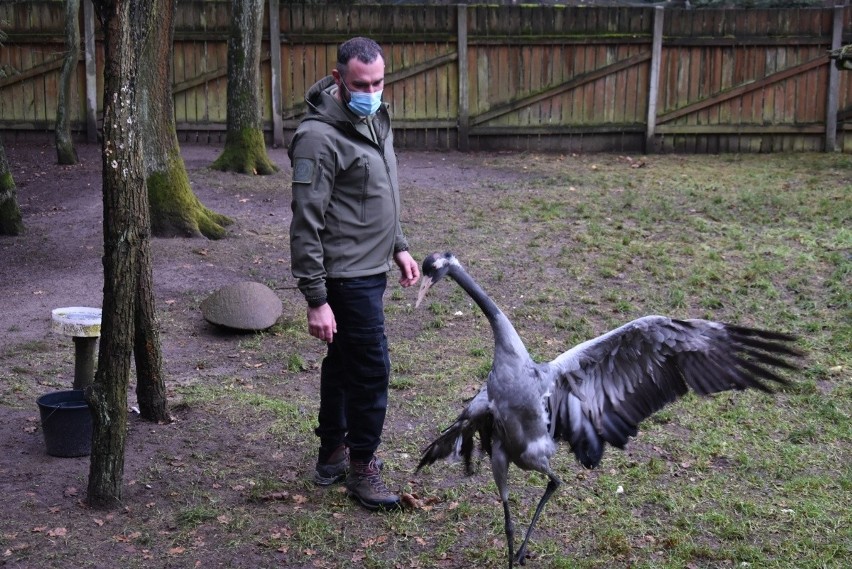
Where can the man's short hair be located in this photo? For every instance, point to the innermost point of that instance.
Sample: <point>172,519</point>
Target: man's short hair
<point>365,49</point>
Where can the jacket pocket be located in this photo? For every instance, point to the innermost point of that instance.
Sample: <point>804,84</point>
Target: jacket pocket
<point>368,353</point>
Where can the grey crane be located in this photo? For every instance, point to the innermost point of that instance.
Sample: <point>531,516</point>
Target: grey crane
<point>595,393</point>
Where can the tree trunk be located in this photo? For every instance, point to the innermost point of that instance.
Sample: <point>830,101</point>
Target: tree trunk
<point>150,382</point>
<point>245,147</point>
<point>175,210</point>
<point>10,213</point>
<point>126,243</point>
<point>65,151</point>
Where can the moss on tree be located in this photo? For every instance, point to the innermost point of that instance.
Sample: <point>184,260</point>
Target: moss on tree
<point>10,213</point>
<point>245,152</point>
<point>66,154</point>
<point>175,209</point>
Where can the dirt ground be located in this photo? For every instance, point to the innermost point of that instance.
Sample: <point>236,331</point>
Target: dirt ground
<point>57,263</point>
<point>228,482</point>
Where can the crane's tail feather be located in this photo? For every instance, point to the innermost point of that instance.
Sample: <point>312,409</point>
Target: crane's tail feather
<point>457,441</point>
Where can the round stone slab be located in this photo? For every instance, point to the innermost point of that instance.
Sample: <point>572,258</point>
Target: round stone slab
<point>243,306</point>
<point>76,321</point>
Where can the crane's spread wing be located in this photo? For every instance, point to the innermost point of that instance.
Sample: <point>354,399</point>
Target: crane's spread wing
<point>457,440</point>
<point>605,387</point>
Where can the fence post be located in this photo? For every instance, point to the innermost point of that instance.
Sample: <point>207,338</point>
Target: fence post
<point>833,84</point>
<point>275,66</point>
<point>654,79</point>
<point>464,109</point>
<point>91,72</point>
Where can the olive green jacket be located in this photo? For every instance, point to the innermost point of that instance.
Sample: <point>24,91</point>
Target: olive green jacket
<point>346,205</point>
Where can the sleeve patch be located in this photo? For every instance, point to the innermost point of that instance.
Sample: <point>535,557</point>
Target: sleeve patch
<point>303,171</point>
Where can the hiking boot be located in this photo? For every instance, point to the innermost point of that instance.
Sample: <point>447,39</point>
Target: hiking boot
<point>364,483</point>
<point>334,469</point>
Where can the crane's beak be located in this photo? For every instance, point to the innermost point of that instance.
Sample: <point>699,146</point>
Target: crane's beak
<point>425,285</point>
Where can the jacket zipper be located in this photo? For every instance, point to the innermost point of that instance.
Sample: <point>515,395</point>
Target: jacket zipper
<point>364,189</point>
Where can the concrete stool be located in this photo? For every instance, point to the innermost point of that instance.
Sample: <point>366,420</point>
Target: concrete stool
<point>83,324</point>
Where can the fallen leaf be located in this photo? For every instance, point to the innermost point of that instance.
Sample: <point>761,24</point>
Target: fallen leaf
<point>58,532</point>
<point>275,496</point>
<point>176,550</point>
<point>410,501</point>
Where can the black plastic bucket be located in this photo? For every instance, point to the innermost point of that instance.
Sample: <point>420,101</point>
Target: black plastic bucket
<point>66,422</point>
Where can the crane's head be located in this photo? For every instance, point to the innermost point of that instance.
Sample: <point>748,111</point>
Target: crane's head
<point>435,266</point>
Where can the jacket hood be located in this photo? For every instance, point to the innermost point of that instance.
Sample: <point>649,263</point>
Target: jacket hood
<point>323,104</point>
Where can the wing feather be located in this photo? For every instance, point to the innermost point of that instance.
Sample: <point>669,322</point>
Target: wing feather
<point>617,380</point>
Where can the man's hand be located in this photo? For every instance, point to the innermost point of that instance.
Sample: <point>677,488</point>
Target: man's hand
<point>410,271</point>
<point>321,323</point>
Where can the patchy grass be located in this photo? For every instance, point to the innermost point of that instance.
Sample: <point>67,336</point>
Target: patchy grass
<point>569,247</point>
<point>736,479</point>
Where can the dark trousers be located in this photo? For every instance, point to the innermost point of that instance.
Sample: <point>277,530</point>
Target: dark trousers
<point>356,370</point>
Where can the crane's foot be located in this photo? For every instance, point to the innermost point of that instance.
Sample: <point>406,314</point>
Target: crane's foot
<point>521,557</point>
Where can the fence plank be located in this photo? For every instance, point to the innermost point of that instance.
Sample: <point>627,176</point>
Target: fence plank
<point>536,74</point>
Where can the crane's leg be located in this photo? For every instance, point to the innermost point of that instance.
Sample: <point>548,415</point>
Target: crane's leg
<point>500,470</point>
<point>552,485</point>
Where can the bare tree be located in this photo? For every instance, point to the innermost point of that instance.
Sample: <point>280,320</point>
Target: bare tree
<point>175,209</point>
<point>65,151</point>
<point>128,300</point>
<point>245,147</point>
<point>10,213</point>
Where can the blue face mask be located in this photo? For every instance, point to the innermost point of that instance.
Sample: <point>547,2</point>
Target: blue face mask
<point>364,104</point>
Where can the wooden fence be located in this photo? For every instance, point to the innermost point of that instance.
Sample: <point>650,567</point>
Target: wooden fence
<point>487,77</point>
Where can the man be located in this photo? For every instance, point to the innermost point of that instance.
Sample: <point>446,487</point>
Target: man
<point>344,238</point>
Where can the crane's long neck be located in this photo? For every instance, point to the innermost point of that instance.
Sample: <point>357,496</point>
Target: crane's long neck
<point>505,335</point>
<point>472,288</point>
